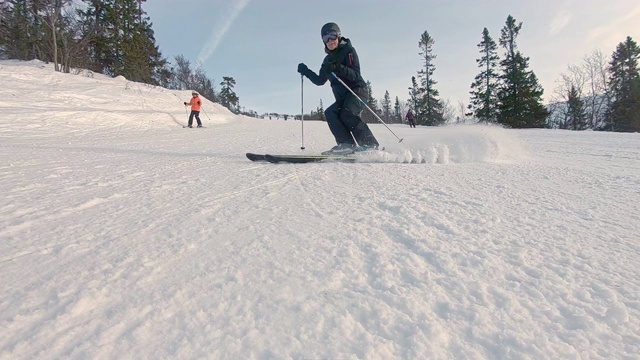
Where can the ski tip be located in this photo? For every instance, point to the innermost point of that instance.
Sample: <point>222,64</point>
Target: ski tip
<point>255,157</point>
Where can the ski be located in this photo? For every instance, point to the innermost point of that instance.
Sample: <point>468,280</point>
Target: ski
<point>301,159</point>
<point>194,127</point>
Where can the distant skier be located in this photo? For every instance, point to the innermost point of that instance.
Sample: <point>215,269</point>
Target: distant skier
<point>343,116</point>
<point>195,104</point>
<point>410,119</point>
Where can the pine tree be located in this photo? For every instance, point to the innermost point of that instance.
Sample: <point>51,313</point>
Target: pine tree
<point>20,31</point>
<point>431,109</point>
<point>576,115</point>
<point>141,58</point>
<point>98,20</point>
<point>416,100</point>
<point>397,112</point>
<point>13,40</point>
<point>386,107</point>
<point>321,111</point>
<point>520,94</point>
<point>367,116</point>
<point>123,41</point>
<point>484,90</point>
<point>228,97</point>
<point>624,111</point>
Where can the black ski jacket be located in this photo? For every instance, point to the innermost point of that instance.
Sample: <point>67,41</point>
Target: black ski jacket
<point>348,71</point>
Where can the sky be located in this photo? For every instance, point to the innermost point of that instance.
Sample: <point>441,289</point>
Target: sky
<point>124,235</point>
<point>261,42</point>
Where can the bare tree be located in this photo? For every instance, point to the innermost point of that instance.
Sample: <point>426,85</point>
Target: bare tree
<point>52,9</point>
<point>53,19</point>
<point>573,81</point>
<point>404,107</point>
<point>462,117</point>
<point>75,41</point>
<point>589,82</point>
<point>448,112</point>
<point>598,95</point>
<point>182,73</point>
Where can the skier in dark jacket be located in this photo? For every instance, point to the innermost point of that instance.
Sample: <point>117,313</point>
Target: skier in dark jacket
<point>343,116</point>
<point>410,119</point>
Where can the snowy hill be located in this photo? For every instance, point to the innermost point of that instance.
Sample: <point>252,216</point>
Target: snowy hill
<point>123,235</point>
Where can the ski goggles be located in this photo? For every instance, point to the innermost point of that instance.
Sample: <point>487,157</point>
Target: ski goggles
<point>330,36</point>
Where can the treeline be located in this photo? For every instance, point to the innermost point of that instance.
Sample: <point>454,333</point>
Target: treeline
<point>115,37</point>
<point>600,94</point>
<point>505,91</point>
<point>111,37</point>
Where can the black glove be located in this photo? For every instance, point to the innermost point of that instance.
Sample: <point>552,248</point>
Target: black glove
<point>330,67</point>
<point>302,68</point>
<point>185,103</point>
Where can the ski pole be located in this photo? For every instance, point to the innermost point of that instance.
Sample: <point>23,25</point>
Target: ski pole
<point>185,105</point>
<point>365,105</point>
<point>302,108</point>
<point>205,112</point>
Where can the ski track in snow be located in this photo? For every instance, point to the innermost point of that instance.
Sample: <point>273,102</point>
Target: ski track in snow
<point>123,235</point>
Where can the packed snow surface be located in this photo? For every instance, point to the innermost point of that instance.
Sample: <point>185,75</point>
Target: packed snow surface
<point>123,235</point>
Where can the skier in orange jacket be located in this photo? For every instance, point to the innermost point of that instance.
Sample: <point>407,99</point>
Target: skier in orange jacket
<point>195,104</point>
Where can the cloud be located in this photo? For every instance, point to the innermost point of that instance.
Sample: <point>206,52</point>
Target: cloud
<point>219,31</point>
<point>617,30</point>
<point>560,22</point>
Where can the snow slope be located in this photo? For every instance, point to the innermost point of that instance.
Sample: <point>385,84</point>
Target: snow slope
<point>125,236</point>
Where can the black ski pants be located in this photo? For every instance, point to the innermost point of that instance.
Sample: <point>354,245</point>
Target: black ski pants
<point>346,125</point>
<point>197,115</point>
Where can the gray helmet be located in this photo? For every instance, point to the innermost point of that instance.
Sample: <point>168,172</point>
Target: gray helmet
<point>330,28</point>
